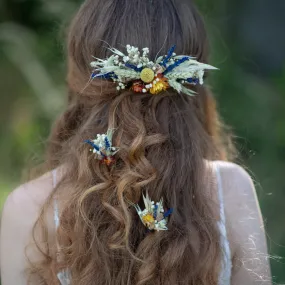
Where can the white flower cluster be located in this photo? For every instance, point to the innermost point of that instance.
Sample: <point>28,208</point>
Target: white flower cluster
<point>121,86</point>
<point>150,84</point>
<point>134,57</point>
<point>100,141</point>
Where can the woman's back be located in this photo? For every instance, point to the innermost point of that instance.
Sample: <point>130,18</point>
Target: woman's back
<point>243,223</point>
<point>142,207</point>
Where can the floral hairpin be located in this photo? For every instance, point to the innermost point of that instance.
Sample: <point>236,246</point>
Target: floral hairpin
<point>103,149</point>
<point>153,216</point>
<point>138,73</point>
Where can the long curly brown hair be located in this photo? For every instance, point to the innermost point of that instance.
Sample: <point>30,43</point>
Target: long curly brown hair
<point>165,141</point>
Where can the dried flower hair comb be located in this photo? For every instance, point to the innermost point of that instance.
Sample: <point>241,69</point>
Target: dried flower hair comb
<point>102,147</point>
<point>137,72</point>
<point>153,216</point>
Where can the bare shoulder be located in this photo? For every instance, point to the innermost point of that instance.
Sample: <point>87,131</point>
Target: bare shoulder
<point>240,200</point>
<point>31,195</point>
<point>25,203</point>
<point>245,225</point>
<point>235,177</point>
<point>239,194</point>
<point>21,210</point>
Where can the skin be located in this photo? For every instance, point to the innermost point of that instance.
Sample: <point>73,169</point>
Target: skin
<point>243,221</point>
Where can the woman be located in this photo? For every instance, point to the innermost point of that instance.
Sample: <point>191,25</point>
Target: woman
<point>84,222</point>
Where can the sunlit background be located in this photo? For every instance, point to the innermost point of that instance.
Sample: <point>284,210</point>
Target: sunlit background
<point>248,45</point>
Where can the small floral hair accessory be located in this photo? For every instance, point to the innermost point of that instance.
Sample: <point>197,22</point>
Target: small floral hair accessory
<point>103,149</point>
<point>135,71</point>
<point>153,216</point>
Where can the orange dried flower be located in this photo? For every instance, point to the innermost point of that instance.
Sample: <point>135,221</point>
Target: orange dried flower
<point>138,87</point>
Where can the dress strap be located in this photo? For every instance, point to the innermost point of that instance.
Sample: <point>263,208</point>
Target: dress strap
<point>220,195</point>
<point>56,212</point>
<point>54,178</point>
<point>226,268</point>
<point>55,203</point>
<point>64,276</point>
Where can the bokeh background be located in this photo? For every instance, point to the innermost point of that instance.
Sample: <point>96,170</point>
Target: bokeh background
<point>248,45</point>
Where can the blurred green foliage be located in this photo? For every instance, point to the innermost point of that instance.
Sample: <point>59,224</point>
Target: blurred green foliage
<point>250,88</point>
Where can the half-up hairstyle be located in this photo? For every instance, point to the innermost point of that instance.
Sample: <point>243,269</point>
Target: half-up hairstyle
<point>165,141</point>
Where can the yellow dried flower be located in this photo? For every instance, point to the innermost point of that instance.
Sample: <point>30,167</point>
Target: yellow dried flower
<point>147,75</point>
<point>148,219</point>
<point>159,86</point>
